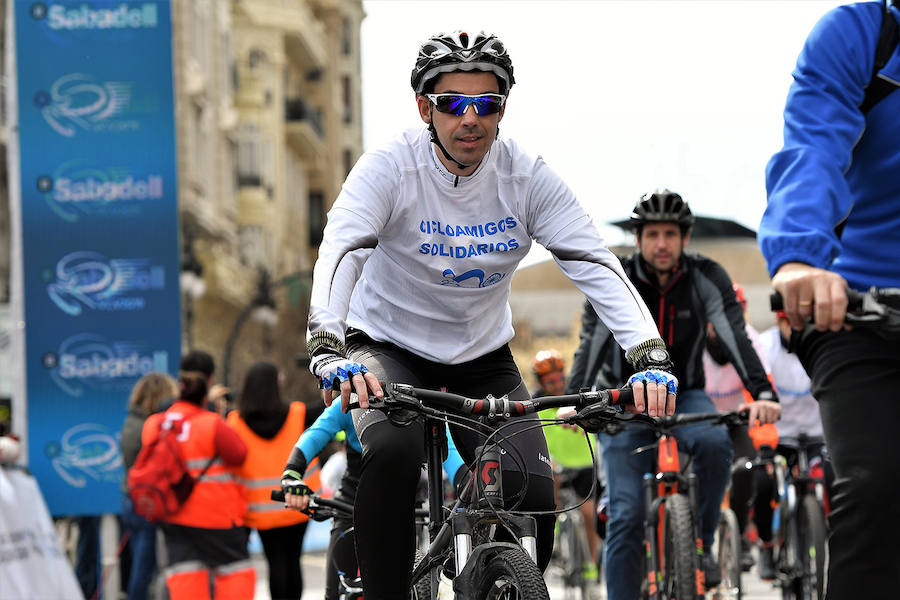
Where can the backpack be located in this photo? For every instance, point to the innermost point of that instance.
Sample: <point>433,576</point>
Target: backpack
<point>888,37</point>
<point>159,482</point>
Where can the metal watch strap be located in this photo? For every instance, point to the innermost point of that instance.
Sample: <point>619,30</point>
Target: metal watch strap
<point>635,355</point>
<point>325,339</point>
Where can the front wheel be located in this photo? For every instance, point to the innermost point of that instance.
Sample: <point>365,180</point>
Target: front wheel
<point>813,548</point>
<point>511,575</point>
<point>421,589</point>
<point>679,548</point>
<point>728,549</point>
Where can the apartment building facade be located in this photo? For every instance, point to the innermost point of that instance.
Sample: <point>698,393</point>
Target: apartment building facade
<point>268,123</point>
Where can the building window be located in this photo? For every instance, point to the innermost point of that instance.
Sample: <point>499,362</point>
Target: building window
<point>348,162</point>
<point>248,155</point>
<point>346,38</point>
<point>316,218</point>
<point>347,98</point>
<point>255,58</point>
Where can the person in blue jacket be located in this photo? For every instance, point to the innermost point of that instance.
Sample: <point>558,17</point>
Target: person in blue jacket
<point>341,555</point>
<point>833,222</point>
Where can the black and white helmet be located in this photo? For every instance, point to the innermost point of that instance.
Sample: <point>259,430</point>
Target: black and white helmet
<point>662,206</point>
<point>459,51</point>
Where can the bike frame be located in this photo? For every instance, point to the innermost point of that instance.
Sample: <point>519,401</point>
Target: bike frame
<point>793,487</point>
<point>465,518</point>
<point>668,480</point>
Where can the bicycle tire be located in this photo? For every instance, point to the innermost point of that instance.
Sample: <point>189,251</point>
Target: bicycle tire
<point>728,550</point>
<point>789,557</point>
<point>813,544</point>
<point>581,554</point>
<point>421,589</point>
<point>511,575</point>
<point>679,548</point>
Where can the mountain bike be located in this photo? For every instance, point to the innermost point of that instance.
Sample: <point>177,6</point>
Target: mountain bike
<point>463,546</point>
<point>727,548</point>
<point>673,548</point>
<point>326,509</point>
<point>800,531</point>
<point>571,549</point>
<point>798,523</point>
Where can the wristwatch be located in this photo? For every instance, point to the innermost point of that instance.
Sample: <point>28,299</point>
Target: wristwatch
<point>658,355</point>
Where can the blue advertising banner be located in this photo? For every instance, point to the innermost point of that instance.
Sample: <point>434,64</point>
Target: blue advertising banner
<point>99,232</point>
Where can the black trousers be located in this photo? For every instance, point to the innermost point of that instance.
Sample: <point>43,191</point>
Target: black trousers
<point>393,455</point>
<point>856,379</point>
<point>282,546</point>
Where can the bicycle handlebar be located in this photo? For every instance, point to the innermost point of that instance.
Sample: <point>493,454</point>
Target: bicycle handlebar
<point>666,424</point>
<point>400,395</point>
<point>854,300</point>
<point>316,504</point>
<point>877,309</point>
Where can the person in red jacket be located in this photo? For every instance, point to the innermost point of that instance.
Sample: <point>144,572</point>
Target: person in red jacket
<point>206,538</point>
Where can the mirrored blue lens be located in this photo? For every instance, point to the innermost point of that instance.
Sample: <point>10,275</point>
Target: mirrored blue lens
<point>457,104</point>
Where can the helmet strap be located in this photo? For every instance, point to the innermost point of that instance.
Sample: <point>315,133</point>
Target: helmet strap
<point>437,142</point>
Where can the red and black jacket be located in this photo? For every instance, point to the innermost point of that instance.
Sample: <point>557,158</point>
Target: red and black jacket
<point>698,292</point>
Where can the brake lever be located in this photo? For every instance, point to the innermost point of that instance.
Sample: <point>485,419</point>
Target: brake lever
<point>598,417</point>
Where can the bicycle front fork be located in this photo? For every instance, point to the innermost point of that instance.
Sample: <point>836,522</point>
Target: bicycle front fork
<point>489,485</point>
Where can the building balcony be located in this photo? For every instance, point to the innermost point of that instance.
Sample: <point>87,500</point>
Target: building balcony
<point>304,128</point>
<point>304,34</point>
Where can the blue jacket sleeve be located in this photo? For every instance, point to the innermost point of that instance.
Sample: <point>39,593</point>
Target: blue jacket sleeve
<point>322,431</point>
<point>454,461</point>
<point>807,191</point>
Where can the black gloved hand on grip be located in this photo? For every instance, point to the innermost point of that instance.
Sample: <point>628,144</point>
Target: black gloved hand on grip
<point>292,481</point>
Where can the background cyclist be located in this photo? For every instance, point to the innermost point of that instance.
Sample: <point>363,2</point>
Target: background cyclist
<point>727,392</point>
<point>569,451</point>
<point>832,221</point>
<point>799,414</point>
<point>685,292</point>
<point>412,283</point>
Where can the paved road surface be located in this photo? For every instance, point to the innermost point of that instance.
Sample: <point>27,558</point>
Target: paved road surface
<point>314,581</point>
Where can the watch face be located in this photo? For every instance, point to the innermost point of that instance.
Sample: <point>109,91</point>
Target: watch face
<point>658,355</point>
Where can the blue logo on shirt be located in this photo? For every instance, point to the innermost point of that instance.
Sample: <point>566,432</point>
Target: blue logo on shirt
<point>473,276</point>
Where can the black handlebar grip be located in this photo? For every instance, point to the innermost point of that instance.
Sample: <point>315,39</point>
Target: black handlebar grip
<point>854,300</point>
<point>622,396</point>
<point>775,302</point>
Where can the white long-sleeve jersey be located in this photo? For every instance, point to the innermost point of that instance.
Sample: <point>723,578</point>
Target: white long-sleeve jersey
<point>423,259</point>
<point>799,410</point>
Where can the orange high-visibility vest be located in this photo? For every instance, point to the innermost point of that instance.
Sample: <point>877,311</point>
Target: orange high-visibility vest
<point>262,470</point>
<point>218,500</point>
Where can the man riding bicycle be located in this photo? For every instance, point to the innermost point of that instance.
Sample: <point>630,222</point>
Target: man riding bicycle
<point>412,283</point>
<point>685,292</point>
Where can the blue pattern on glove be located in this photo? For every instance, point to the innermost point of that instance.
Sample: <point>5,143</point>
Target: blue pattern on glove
<point>333,379</point>
<point>669,380</point>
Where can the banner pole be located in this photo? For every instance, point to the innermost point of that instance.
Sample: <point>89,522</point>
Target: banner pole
<point>19,416</point>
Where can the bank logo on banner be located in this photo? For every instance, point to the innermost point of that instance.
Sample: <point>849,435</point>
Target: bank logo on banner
<point>77,189</point>
<point>86,452</point>
<point>90,280</point>
<point>87,362</point>
<point>67,17</point>
<point>76,101</point>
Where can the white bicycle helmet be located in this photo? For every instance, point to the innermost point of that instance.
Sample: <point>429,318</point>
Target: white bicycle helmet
<point>459,51</point>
